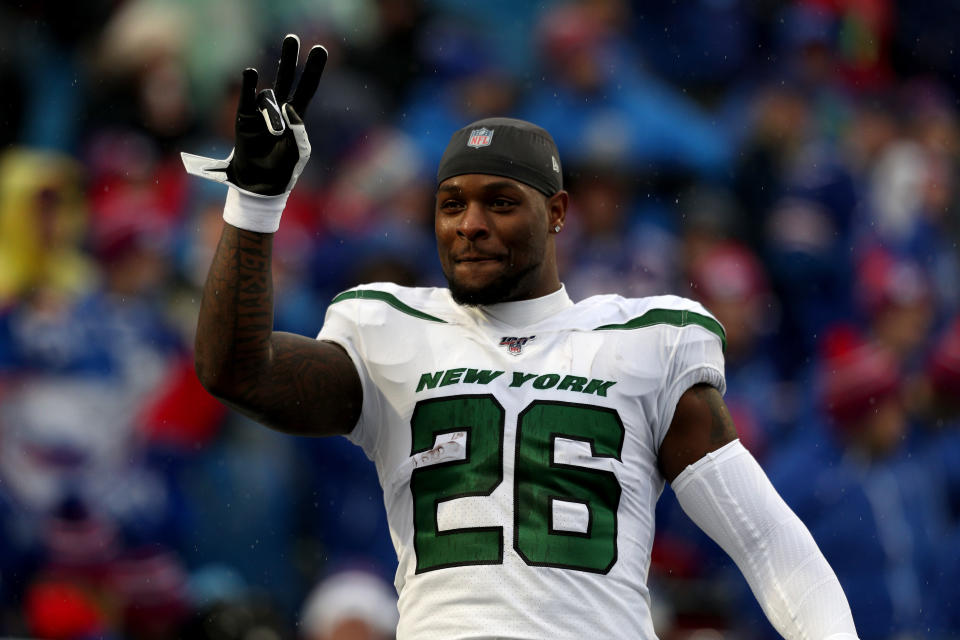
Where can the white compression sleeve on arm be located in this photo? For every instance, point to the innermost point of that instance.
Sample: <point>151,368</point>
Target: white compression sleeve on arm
<point>728,495</point>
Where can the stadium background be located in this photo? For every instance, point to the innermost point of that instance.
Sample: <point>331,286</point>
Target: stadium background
<point>791,164</point>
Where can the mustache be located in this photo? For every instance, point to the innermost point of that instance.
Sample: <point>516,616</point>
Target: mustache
<point>472,256</point>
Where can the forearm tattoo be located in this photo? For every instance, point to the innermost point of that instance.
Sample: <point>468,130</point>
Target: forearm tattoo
<point>254,304</point>
<point>285,381</point>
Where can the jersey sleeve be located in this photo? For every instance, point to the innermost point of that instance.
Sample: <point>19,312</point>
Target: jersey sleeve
<point>341,326</point>
<point>694,352</point>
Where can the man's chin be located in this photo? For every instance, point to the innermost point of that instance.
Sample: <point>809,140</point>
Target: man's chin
<point>473,296</point>
<point>499,290</point>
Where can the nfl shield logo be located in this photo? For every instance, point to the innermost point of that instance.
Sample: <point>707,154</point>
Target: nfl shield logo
<point>480,138</point>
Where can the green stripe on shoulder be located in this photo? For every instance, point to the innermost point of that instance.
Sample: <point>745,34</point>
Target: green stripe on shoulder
<point>390,299</point>
<point>675,317</point>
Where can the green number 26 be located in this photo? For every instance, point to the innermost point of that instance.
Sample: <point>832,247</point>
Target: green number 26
<point>538,483</point>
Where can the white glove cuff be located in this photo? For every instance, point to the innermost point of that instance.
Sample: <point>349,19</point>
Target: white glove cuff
<point>252,211</point>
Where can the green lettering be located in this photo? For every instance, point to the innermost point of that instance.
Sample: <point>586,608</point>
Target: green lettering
<point>452,376</point>
<point>572,383</point>
<point>429,380</point>
<point>599,387</point>
<point>481,377</point>
<point>546,381</point>
<point>520,378</point>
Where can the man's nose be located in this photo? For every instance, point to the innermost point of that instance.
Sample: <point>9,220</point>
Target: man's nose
<point>473,222</point>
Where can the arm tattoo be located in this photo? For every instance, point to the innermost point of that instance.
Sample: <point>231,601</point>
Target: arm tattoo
<point>289,382</point>
<point>722,429</point>
<point>701,424</point>
<point>254,301</point>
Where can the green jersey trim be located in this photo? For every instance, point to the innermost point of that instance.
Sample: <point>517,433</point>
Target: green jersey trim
<point>675,317</point>
<point>390,299</point>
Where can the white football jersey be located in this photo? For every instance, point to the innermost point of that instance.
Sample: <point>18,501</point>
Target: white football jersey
<point>519,463</point>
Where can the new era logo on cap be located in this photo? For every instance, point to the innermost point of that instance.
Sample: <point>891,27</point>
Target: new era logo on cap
<point>480,138</point>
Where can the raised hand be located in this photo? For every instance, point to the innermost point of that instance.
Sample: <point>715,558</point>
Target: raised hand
<point>271,146</point>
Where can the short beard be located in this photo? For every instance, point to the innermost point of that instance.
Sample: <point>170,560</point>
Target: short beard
<point>503,289</point>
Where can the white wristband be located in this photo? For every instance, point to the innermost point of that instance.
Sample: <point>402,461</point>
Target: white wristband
<point>252,211</point>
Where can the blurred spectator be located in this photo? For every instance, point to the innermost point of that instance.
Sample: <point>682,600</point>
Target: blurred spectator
<point>383,185</point>
<point>504,25</point>
<point>350,104</point>
<point>806,244</point>
<point>875,124</point>
<point>912,187</point>
<point>614,242</point>
<point>873,511</point>
<point>47,45</point>
<point>42,220</point>
<point>710,215</point>
<point>51,455</point>
<point>226,607</point>
<point>861,394</point>
<point>937,408</point>
<point>600,106</point>
<point>392,56</point>
<point>252,618</point>
<point>379,211</point>
<point>466,85</point>
<point>840,41</point>
<point>350,605</point>
<point>143,83</point>
<point>779,125</point>
<point>89,586</point>
<point>896,295</point>
<point>730,281</point>
<point>938,448</point>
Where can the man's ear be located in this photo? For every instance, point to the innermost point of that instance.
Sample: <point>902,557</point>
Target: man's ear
<point>557,210</point>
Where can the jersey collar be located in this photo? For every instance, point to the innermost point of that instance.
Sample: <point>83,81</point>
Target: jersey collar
<point>522,313</point>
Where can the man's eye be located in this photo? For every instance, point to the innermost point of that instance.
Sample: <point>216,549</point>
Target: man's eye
<point>450,205</point>
<point>502,203</point>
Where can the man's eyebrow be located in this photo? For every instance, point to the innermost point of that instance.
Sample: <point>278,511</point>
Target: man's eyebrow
<point>501,184</point>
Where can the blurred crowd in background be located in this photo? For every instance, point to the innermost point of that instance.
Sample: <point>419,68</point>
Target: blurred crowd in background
<point>792,165</point>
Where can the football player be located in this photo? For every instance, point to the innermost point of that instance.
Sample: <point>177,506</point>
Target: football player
<point>521,439</point>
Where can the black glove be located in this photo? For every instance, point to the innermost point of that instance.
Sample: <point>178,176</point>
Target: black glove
<point>271,147</point>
